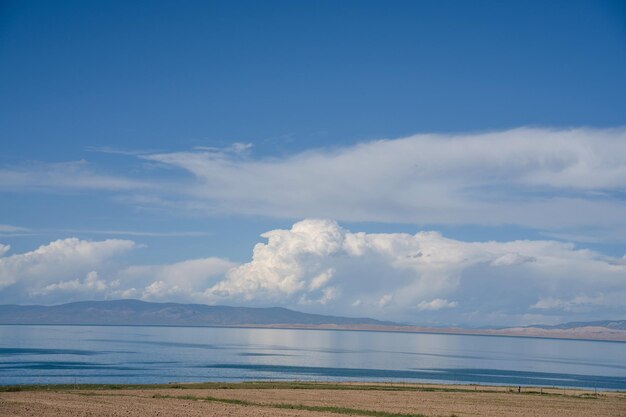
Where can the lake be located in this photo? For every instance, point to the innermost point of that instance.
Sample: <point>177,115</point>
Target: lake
<point>142,354</point>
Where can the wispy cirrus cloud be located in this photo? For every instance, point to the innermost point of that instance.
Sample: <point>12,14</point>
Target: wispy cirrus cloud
<point>539,178</point>
<point>119,151</point>
<point>15,231</point>
<point>74,176</point>
<point>7,230</point>
<point>566,182</point>
<point>136,233</point>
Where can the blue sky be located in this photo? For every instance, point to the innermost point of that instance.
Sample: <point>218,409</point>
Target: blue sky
<point>192,128</point>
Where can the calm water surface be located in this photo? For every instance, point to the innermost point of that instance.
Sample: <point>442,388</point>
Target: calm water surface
<point>135,354</point>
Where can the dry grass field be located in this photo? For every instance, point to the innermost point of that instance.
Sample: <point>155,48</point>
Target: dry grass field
<point>306,399</point>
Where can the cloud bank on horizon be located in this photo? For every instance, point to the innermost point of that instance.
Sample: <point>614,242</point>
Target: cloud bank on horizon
<point>317,265</point>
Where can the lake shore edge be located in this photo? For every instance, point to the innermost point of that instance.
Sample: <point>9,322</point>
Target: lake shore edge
<point>321,385</point>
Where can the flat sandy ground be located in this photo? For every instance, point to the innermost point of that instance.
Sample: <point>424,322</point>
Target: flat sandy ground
<point>289,399</point>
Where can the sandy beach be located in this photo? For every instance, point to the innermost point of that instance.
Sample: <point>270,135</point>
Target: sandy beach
<point>307,399</point>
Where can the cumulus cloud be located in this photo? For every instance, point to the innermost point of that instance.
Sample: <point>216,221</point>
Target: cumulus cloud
<point>319,266</point>
<point>510,259</point>
<point>399,275</point>
<point>59,260</point>
<point>385,300</point>
<point>92,283</point>
<point>545,178</point>
<point>181,281</point>
<point>277,268</point>
<point>71,269</point>
<point>436,304</point>
<point>578,303</point>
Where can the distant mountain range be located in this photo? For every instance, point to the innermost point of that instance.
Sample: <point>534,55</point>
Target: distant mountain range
<point>135,312</point>
<point>609,324</point>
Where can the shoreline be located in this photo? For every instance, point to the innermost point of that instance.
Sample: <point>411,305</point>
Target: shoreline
<point>323,385</point>
<point>531,333</point>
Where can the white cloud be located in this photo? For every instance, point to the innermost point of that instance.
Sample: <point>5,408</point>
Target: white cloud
<point>118,151</point>
<point>328,294</point>
<point>578,303</point>
<point>511,259</point>
<point>321,280</point>
<point>139,233</point>
<point>181,281</point>
<point>277,267</point>
<point>322,267</point>
<point>436,304</point>
<point>554,179</point>
<point>91,283</point>
<point>385,300</point>
<point>73,175</point>
<point>566,182</point>
<point>70,269</point>
<point>396,272</point>
<point>5,228</point>
<point>59,260</point>
<point>235,148</point>
<point>159,289</point>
